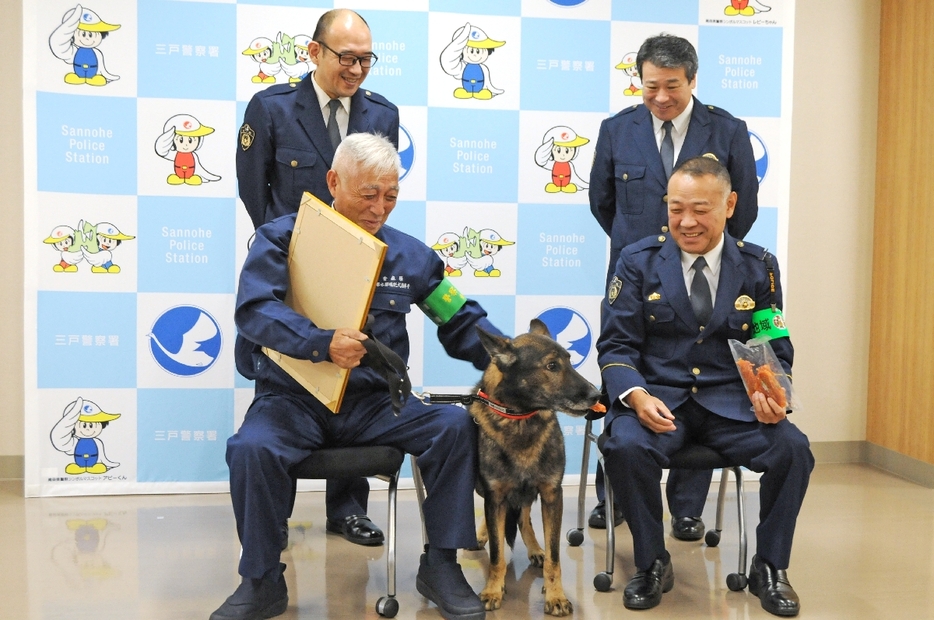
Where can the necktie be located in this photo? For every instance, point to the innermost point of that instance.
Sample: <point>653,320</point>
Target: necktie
<point>700,292</point>
<point>334,132</point>
<point>667,150</point>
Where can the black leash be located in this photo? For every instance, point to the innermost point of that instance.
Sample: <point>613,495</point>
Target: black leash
<point>467,399</point>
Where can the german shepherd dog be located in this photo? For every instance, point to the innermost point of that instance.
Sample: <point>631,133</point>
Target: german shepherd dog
<point>521,451</point>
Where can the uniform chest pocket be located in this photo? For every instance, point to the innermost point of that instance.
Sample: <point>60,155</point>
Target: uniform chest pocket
<point>296,171</point>
<point>389,307</point>
<point>630,188</point>
<point>740,324</point>
<point>660,329</point>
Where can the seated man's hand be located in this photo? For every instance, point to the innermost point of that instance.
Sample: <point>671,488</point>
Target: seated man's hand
<point>767,410</point>
<point>346,349</point>
<point>652,412</point>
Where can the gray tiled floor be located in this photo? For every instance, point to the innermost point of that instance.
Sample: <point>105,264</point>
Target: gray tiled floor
<point>864,549</point>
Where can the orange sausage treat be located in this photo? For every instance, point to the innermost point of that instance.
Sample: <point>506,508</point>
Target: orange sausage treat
<point>749,376</point>
<point>599,408</point>
<point>770,385</point>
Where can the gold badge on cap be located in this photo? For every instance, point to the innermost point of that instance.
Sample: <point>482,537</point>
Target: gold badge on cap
<point>711,156</point>
<point>655,297</point>
<point>613,290</point>
<point>744,302</point>
<point>246,136</point>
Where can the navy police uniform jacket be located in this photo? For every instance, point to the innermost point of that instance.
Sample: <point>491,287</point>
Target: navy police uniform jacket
<point>650,337</point>
<point>628,187</point>
<point>410,272</point>
<point>284,148</point>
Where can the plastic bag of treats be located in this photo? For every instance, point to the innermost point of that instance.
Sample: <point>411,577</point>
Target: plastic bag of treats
<point>762,372</point>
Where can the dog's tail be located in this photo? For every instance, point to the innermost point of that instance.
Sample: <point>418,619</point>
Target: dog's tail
<point>512,525</point>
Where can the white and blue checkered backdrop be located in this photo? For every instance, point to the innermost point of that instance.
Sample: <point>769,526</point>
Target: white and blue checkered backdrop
<point>131,274</point>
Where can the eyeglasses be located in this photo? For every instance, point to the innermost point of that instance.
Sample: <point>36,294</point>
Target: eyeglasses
<point>348,60</point>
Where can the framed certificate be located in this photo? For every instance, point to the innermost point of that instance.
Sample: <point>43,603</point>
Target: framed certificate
<point>333,267</point>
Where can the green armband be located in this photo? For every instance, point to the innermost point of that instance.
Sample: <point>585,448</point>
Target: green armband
<point>443,303</point>
<point>768,324</point>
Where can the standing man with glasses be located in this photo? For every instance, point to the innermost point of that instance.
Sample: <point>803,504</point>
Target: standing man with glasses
<point>290,131</point>
<point>286,147</point>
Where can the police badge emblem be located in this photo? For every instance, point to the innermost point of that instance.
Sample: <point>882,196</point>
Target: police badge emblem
<point>744,302</point>
<point>613,291</point>
<point>246,136</point>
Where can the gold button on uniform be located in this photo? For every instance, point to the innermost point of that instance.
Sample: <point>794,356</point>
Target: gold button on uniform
<point>696,371</point>
<point>661,238</point>
<point>314,354</point>
<point>745,326</point>
<point>664,229</point>
<point>294,163</point>
<point>740,244</point>
<point>652,317</point>
<point>700,341</point>
<point>665,198</point>
<point>392,302</point>
<point>694,390</point>
<point>625,176</point>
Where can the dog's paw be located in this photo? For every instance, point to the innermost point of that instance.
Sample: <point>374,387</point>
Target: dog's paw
<point>559,606</point>
<point>537,558</point>
<point>492,598</point>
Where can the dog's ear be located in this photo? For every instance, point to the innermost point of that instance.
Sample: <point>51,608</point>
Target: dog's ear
<point>538,327</point>
<point>499,347</point>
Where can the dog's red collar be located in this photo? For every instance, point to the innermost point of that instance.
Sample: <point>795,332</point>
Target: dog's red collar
<point>502,410</point>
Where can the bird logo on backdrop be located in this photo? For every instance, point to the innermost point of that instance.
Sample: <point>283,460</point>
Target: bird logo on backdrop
<point>571,330</point>
<point>185,341</point>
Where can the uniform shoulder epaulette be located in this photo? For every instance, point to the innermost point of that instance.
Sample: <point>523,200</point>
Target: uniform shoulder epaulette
<point>718,111</point>
<point>627,110</point>
<point>277,89</point>
<point>751,248</point>
<point>647,243</point>
<point>378,98</point>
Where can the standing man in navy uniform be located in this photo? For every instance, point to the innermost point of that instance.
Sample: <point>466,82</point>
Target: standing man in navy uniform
<point>286,148</point>
<point>285,423</point>
<point>672,305</point>
<point>628,195</point>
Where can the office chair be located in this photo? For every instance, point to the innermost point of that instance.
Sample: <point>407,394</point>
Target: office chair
<point>383,462</point>
<point>691,456</point>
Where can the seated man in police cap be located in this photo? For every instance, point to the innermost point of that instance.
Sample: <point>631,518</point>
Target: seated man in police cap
<point>285,423</point>
<point>671,306</point>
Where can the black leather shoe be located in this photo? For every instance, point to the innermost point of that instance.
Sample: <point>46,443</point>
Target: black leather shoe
<point>644,590</point>
<point>597,519</point>
<point>445,586</point>
<point>687,528</point>
<point>256,599</point>
<point>772,588</point>
<point>358,529</point>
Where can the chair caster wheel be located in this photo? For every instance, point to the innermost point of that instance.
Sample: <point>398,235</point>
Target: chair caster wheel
<point>602,582</point>
<point>387,606</point>
<point>575,537</point>
<point>712,538</point>
<point>736,582</point>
